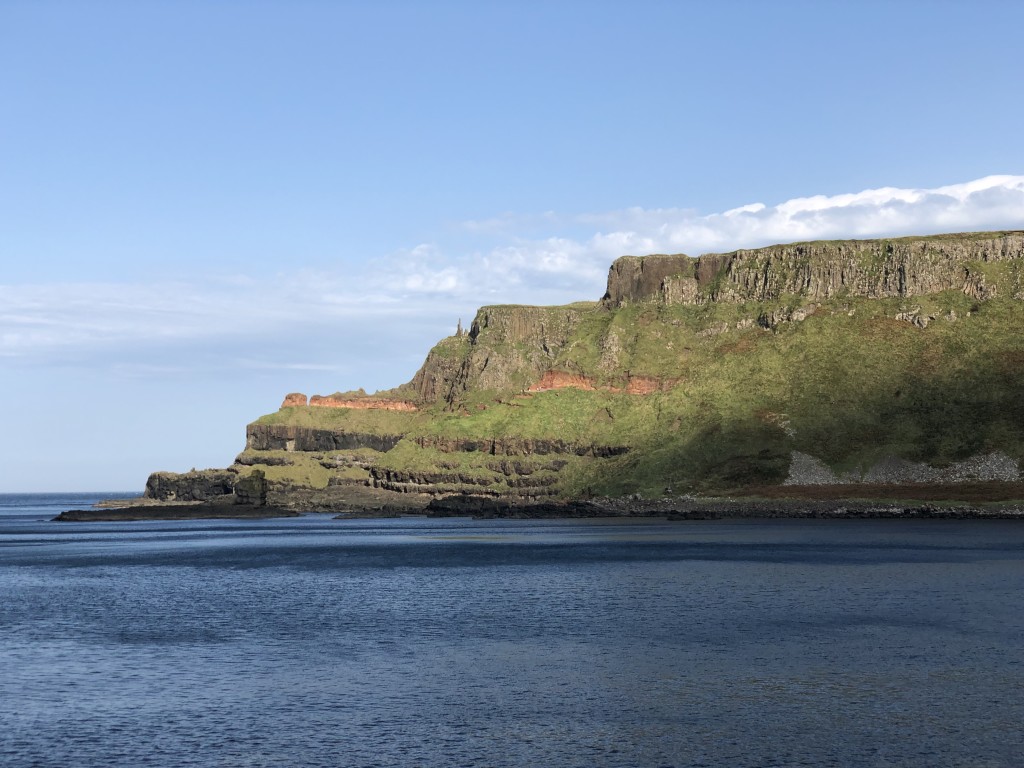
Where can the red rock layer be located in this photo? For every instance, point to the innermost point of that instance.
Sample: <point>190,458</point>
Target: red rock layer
<point>642,385</point>
<point>562,380</point>
<point>635,385</point>
<point>367,403</point>
<point>294,400</point>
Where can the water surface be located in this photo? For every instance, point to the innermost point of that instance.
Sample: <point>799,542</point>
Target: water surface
<point>312,641</point>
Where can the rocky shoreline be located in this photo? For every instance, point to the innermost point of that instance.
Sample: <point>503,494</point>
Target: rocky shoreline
<point>172,512</point>
<point>695,508</point>
<point>977,501</point>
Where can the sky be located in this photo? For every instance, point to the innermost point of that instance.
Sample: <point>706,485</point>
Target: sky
<point>207,205</point>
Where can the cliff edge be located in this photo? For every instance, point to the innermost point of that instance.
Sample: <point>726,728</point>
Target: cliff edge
<point>892,361</point>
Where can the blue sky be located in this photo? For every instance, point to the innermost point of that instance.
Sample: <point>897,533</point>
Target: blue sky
<point>205,205</point>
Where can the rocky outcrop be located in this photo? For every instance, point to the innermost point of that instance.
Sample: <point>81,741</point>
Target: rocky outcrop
<point>639,278</point>
<point>251,458</point>
<point>422,481</point>
<point>507,347</point>
<point>294,400</point>
<point>209,510</point>
<point>996,466</point>
<point>252,490</point>
<point>196,485</point>
<point>442,481</point>
<point>914,317</point>
<point>902,267</point>
<point>278,437</point>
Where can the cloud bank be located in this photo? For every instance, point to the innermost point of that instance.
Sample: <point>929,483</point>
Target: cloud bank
<point>551,265</point>
<point>402,302</point>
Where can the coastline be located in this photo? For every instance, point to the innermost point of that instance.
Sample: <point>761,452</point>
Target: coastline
<point>673,509</point>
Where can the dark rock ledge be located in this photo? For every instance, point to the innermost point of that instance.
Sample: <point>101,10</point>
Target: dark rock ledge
<point>248,502</point>
<point>692,508</point>
<point>204,511</point>
<point>673,509</point>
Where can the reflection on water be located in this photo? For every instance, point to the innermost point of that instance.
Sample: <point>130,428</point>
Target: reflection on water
<point>312,641</point>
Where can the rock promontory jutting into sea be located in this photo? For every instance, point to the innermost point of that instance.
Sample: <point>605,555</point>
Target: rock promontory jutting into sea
<point>873,368</point>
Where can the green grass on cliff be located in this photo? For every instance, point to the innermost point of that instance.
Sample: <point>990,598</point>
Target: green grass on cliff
<point>850,385</point>
<point>378,422</point>
<point>567,414</point>
<point>303,469</point>
<point>848,388</point>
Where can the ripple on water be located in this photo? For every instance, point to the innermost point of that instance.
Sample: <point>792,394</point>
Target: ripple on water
<point>464,643</point>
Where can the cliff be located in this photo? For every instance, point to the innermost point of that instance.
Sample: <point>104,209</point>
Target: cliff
<point>507,348</point>
<point>880,361</point>
<point>903,267</point>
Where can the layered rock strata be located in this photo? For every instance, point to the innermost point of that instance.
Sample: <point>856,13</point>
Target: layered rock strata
<point>761,366</point>
<point>273,437</point>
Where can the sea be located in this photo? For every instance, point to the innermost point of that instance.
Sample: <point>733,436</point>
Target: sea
<point>315,641</point>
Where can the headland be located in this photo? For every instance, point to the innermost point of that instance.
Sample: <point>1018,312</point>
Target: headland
<point>850,375</point>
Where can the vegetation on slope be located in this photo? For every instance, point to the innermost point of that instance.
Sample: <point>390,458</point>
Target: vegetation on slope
<point>741,385</point>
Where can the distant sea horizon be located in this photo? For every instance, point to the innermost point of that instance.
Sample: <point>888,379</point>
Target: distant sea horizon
<point>49,504</point>
<point>122,494</point>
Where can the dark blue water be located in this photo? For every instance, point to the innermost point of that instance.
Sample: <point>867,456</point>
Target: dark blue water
<point>320,642</point>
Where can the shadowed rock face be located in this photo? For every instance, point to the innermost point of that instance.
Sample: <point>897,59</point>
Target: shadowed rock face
<point>638,278</point>
<point>252,490</point>
<point>513,446</point>
<point>197,485</point>
<point>275,437</point>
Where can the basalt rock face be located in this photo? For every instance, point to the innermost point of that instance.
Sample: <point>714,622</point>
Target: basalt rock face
<point>507,348</point>
<point>525,478</point>
<point>252,490</point>
<point>265,437</point>
<point>197,485</point>
<point>902,267</point>
<point>639,278</point>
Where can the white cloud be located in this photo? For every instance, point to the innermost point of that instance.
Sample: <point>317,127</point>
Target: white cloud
<point>306,320</point>
<point>561,268</point>
<point>68,321</point>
